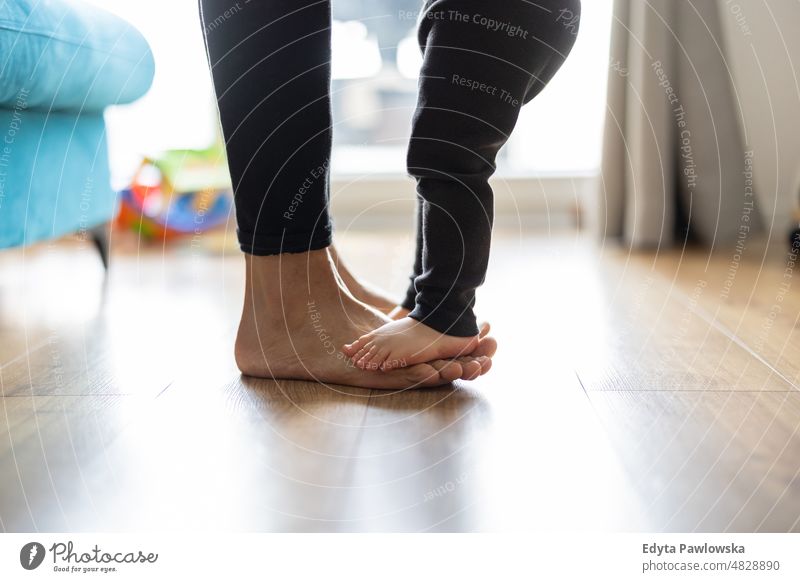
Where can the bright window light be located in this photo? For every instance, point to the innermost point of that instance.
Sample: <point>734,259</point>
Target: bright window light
<point>375,66</point>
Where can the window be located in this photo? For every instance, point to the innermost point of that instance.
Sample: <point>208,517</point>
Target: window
<point>376,60</point>
<point>374,91</point>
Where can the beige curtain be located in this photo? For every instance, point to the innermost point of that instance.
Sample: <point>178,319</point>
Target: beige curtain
<point>674,157</point>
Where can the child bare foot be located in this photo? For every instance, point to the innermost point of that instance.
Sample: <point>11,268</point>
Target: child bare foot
<point>400,312</point>
<point>374,297</point>
<point>380,300</point>
<point>406,342</point>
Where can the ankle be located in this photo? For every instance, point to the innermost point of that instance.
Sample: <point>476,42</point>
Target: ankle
<point>278,285</point>
<point>286,262</point>
<point>269,273</point>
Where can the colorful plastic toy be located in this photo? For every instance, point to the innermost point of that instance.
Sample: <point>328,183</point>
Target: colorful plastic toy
<point>182,192</point>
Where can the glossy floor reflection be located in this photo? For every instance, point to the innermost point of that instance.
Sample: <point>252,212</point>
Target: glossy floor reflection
<point>629,393</point>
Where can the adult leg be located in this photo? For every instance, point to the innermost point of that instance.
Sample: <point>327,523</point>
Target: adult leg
<point>482,62</point>
<point>271,65</point>
<point>271,68</point>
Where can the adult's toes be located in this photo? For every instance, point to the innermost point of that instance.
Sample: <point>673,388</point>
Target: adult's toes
<point>471,363</point>
<point>487,346</point>
<point>471,368</point>
<point>419,376</point>
<point>449,370</point>
<point>425,375</point>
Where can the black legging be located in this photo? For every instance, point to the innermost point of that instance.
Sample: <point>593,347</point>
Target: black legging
<point>482,59</point>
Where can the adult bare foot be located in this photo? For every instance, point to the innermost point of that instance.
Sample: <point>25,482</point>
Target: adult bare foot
<point>405,342</point>
<point>487,346</point>
<point>360,289</point>
<point>297,314</point>
<point>472,366</point>
<point>400,312</point>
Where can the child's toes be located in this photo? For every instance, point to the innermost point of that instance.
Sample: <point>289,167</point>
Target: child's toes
<point>365,358</point>
<point>378,358</point>
<point>355,347</point>
<point>375,358</point>
<point>361,353</point>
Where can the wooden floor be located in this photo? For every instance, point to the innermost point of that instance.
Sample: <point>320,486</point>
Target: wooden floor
<point>654,392</point>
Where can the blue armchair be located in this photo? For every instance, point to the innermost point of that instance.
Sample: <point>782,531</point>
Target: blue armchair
<point>61,63</point>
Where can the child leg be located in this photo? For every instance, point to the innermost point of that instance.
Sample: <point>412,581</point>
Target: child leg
<point>481,62</point>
